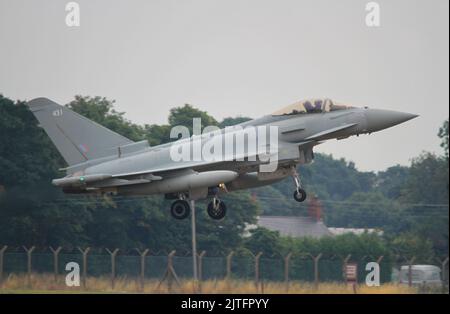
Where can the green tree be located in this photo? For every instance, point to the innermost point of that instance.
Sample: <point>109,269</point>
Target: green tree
<point>443,135</point>
<point>410,245</point>
<point>264,240</point>
<point>230,121</point>
<point>30,207</point>
<point>427,181</point>
<point>101,110</point>
<point>391,181</point>
<point>427,185</point>
<point>157,134</point>
<point>366,210</point>
<point>27,157</point>
<point>184,116</point>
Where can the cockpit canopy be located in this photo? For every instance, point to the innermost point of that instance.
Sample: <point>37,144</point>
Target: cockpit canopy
<point>311,106</point>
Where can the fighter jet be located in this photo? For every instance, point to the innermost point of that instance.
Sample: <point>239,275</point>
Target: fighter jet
<point>101,161</point>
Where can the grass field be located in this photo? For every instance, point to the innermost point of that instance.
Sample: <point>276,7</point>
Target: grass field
<point>46,283</point>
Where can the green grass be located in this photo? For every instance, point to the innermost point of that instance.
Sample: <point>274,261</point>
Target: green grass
<point>46,284</point>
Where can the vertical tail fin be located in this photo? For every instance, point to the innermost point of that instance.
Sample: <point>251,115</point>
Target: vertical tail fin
<point>77,138</point>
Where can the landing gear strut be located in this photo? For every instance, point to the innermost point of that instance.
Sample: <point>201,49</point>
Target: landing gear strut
<point>299,193</point>
<point>216,209</point>
<point>180,209</point>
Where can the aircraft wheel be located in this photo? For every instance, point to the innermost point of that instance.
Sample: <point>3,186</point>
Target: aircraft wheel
<point>217,209</point>
<point>300,195</point>
<point>180,209</point>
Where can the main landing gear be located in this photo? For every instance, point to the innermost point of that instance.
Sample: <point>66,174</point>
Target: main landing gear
<point>299,193</point>
<point>180,209</point>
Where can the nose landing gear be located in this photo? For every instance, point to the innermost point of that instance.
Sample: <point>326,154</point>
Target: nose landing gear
<point>299,193</point>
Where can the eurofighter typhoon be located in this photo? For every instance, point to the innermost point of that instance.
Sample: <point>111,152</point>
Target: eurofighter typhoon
<point>251,154</point>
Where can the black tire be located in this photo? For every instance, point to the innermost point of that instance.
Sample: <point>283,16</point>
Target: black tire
<point>217,212</point>
<point>180,209</point>
<point>300,195</point>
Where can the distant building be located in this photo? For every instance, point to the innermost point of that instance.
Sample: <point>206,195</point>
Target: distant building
<point>299,226</point>
<point>294,226</point>
<point>305,226</point>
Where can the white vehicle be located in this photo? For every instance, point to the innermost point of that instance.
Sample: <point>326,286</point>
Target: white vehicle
<point>421,274</point>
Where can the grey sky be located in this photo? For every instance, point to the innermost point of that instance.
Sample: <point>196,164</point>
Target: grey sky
<point>239,57</point>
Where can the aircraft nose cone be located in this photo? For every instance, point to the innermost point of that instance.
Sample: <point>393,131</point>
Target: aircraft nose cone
<point>381,119</point>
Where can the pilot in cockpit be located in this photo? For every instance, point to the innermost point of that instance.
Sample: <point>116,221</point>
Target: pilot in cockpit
<point>311,106</point>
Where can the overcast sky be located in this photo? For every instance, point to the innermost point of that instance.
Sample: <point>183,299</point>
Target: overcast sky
<point>239,57</point>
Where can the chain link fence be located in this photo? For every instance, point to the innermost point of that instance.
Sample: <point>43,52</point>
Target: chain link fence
<point>143,265</point>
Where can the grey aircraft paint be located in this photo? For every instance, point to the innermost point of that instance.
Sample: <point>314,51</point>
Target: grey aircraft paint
<point>102,161</point>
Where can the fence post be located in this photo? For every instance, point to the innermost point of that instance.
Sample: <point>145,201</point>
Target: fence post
<point>316,270</point>
<point>55,261</point>
<point>171,269</point>
<point>200,269</point>
<point>113,266</point>
<point>410,262</point>
<point>2,251</point>
<point>257,257</point>
<point>142,274</point>
<point>229,257</point>
<point>287,259</point>
<point>444,274</point>
<point>84,253</point>
<point>29,252</point>
<point>170,273</point>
